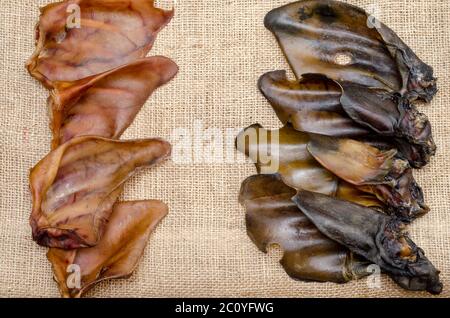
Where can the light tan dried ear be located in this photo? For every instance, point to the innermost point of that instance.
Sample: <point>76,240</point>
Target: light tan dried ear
<point>115,256</point>
<point>349,192</point>
<point>111,33</point>
<point>106,104</point>
<point>355,162</point>
<point>273,218</point>
<point>76,185</point>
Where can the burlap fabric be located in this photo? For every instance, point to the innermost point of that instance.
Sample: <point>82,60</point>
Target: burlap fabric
<point>201,248</point>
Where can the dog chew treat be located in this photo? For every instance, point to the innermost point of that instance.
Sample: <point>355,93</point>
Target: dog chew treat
<point>345,168</point>
<point>345,43</point>
<point>76,185</point>
<point>273,218</point>
<point>371,170</point>
<point>117,253</point>
<point>317,104</point>
<point>106,104</point>
<point>373,235</point>
<point>110,33</point>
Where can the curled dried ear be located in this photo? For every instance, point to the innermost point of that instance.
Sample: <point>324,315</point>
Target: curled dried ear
<point>374,236</point>
<point>354,161</point>
<point>344,43</point>
<point>283,151</point>
<point>311,104</point>
<point>106,104</point>
<point>372,170</point>
<point>117,253</point>
<point>272,218</point>
<point>106,35</point>
<point>76,185</point>
<point>294,164</point>
<point>319,105</point>
<point>388,115</point>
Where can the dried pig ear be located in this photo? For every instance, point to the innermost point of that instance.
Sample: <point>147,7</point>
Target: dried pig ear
<point>117,253</point>
<point>76,185</point>
<point>272,218</point>
<point>110,34</point>
<point>106,104</point>
<point>371,170</point>
<point>335,39</point>
<point>311,104</point>
<point>374,236</point>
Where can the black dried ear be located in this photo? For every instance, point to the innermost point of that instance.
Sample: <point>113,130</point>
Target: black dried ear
<point>339,40</point>
<point>373,235</point>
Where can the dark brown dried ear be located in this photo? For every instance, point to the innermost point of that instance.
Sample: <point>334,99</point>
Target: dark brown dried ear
<point>388,115</point>
<point>76,185</point>
<point>319,105</point>
<point>294,165</point>
<point>111,33</point>
<point>283,151</point>
<point>117,253</point>
<point>338,40</point>
<point>374,236</point>
<point>106,104</point>
<point>311,104</point>
<point>272,218</point>
<point>373,171</point>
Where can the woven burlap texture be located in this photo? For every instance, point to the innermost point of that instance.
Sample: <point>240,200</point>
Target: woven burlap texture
<point>201,249</point>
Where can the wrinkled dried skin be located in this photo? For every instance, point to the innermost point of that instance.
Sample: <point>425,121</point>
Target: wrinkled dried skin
<point>76,185</point>
<point>117,253</point>
<point>347,44</point>
<point>112,33</point>
<point>272,218</point>
<point>374,236</point>
<point>105,105</point>
<point>317,104</point>
<point>373,171</point>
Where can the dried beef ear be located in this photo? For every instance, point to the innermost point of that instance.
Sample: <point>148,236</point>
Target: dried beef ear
<point>311,104</point>
<point>372,170</point>
<point>272,218</point>
<point>389,115</point>
<point>373,235</point>
<point>112,33</point>
<point>106,104</point>
<point>292,162</point>
<point>345,43</point>
<point>117,253</point>
<point>76,185</point>
<point>283,151</point>
<point>316,104</point>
